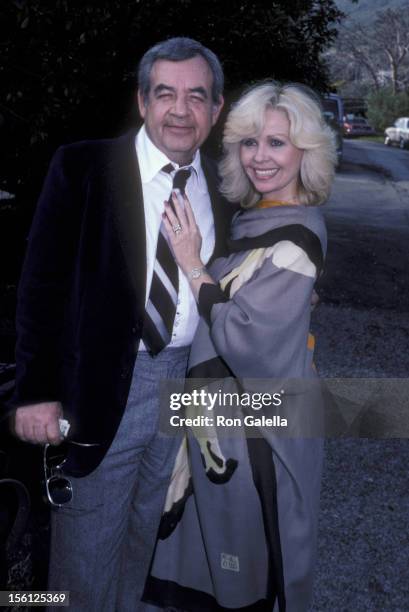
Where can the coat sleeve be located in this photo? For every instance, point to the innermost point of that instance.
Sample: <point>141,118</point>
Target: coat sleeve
<point>264,327</point>
<point>44,285</point>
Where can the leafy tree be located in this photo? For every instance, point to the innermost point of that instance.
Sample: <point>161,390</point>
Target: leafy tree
<point>385,106</point>
<point>68,69</point>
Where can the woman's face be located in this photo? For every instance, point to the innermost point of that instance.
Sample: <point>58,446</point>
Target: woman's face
<point>271,161</point>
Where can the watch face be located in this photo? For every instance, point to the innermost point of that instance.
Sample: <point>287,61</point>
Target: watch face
<point>196,272</point>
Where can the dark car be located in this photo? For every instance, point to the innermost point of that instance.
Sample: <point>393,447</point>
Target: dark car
<point>357,126</point>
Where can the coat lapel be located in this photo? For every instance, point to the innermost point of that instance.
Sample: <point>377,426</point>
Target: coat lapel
<point>127,198</point>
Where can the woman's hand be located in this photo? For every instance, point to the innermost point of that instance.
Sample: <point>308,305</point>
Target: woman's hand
<point>185,240</point>
<point>184,234</point>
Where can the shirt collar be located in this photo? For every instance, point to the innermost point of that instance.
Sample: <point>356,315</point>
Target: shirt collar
<point>152,160</point>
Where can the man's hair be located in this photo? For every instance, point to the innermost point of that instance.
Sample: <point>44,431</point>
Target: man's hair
<point>308,131</point>
<point>177,50</point>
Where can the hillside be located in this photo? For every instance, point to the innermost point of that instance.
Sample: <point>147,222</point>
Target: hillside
<point>365,11</point>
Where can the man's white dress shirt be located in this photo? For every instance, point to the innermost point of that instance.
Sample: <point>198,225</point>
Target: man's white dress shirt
<point>156,187</point>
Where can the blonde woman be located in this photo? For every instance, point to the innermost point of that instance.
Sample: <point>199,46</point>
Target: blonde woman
<point>240,522</point>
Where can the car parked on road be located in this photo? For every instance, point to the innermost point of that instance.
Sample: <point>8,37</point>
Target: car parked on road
<point>399,133</point>
<point>357,126</point>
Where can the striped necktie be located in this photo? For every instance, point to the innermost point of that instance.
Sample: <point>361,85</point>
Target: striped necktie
<point>161,306</point>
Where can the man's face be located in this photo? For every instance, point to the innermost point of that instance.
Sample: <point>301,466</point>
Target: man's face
<point>180,111</point>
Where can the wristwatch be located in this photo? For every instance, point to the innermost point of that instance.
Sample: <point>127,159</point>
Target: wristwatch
<point>196,273</point>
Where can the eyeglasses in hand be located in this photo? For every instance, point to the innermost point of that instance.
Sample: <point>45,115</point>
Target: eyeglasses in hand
<point>58,487</point>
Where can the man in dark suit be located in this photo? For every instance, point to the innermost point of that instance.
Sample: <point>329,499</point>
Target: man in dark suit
<point>93,343</point>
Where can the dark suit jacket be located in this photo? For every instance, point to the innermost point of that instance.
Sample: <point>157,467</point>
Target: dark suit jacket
<point>82,290</point>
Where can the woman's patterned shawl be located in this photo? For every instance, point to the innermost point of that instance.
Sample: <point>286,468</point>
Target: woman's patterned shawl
<point>261,331</point>
<point>239,524</point>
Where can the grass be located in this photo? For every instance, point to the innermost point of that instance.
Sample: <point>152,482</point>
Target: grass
<point>374,138</point>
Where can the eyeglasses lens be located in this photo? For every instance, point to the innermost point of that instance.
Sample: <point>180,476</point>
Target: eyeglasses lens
<point>55,456</point>
<point>60,490</point>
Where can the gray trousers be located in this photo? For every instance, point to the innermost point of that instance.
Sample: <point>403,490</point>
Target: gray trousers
<point>102,541</point>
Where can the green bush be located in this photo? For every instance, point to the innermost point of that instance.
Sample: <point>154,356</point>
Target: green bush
<point>384,107</point>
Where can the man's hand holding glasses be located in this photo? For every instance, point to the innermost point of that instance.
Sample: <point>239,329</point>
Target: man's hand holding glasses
<point>58,487</point>
<point>39,423</point>
<point>43,423</point>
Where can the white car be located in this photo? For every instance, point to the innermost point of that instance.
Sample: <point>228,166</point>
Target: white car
<point>399,133</point>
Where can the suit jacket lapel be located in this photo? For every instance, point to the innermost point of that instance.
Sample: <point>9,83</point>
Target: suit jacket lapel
<point>125,185</point>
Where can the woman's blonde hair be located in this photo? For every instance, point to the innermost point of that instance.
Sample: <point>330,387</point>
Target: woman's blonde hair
<point>308,131</point>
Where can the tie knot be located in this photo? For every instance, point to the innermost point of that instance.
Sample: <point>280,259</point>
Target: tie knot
<point>169,168</point>
<point>180,179</point>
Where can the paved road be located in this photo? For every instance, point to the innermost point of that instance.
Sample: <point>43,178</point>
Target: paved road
<point>372,185</point>
<point>368,223</point>
<point>390,160</point>
<point>362,329</point>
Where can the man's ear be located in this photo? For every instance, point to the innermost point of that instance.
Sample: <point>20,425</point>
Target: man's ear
<point>141,104</point>
<point>217,108</point>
